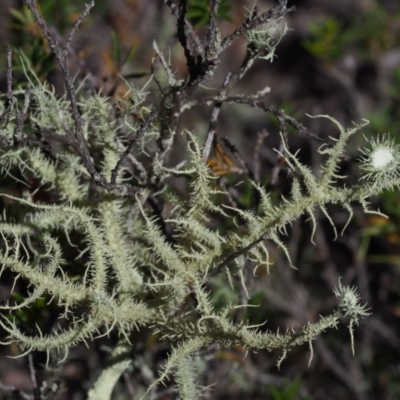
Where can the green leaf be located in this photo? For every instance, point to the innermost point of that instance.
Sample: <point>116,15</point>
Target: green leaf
<point>199,11</point>
<point>130,54</point>
<point>18,15</point>
<point>116,46</point>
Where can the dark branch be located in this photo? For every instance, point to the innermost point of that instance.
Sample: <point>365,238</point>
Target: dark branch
<point>274,13</point>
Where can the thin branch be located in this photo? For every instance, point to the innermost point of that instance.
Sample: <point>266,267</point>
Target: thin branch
<point>69,86</point>
<point>9,73</point>
<point>82,16</point>
<point>10,100</point>
<point>83,149</point>
<point>212,128</point>
<point>143,128</point>
<point>253,102</point>
<point>14,390</point>
<point>21,117</point>
<point>257,149</point>
<point>36,390</point>
<point>171,78</point>
<point>213,34</point>
<point>231,257</point>
<point>236,153</point>
<point>187,37</point>
<point>274,13</point>
<point>278,166</point>
<point>169,122</point>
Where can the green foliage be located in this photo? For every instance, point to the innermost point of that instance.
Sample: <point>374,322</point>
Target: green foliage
<point>375,31</point>
<point>116,46</point>
<point>326,40</point>
<point>287,393</point>
<point>199,11</point>
<point>28,37</point>
<point>369,34</point>
<point>31,42</point>
<point>61,14</point>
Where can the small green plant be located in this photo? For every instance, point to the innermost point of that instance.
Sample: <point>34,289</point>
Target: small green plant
<point>199,11</point>
<point>326,41</point>
<point>370,34</point>
<point>287,393</point>
<point>100,248</point>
